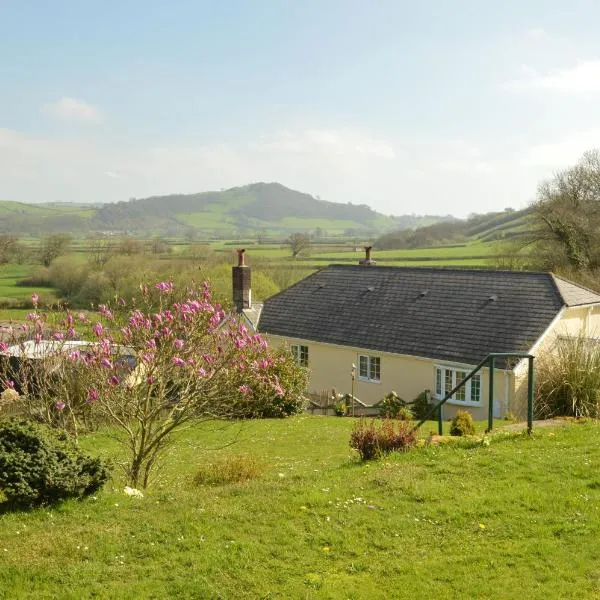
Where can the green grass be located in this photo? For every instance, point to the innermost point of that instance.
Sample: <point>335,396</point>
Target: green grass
<point>520,518</point>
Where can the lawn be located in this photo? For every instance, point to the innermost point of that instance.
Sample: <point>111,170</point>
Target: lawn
<point>519,517</point>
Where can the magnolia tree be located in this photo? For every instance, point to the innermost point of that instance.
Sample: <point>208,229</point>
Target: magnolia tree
<point>152,367</point>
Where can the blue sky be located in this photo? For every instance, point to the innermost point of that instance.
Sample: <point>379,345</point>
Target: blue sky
<point>436,106</point>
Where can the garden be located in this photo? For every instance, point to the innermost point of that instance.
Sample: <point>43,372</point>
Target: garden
<point>193,472</point>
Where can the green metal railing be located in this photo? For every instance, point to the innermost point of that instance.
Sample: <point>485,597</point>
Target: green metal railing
<point>488,361</point>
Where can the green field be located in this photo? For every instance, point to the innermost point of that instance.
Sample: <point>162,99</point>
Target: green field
<point>518,518</point>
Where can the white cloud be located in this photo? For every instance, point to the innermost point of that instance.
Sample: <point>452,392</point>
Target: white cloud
<point>340,143</point>
<point>561,153</point>
<point>535,34</point>
<point>71,109</point>
<point>410,176</point>
<point>581,78</point>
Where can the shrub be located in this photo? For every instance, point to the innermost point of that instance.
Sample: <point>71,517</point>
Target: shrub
<point>391,405</point>
<point>421,406</point>
<point>568,380</point>
<point>462,424</point>
<point>229,468</point>
<point>40,465</point>
<point>404,414</point>
<point>373,439</point>
<point>339,407</point>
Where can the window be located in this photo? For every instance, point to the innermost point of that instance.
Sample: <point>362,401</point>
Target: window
<point>369,368</point>
<point>301,355</point>
<point>446,378</point>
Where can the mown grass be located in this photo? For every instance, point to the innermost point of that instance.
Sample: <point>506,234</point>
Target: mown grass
<point>520,517</point>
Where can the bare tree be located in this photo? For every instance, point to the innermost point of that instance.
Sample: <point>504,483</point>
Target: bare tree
<point>299,243</point>
<point>100,248</point>
<point>8,245</point>
<point>567,216</point>
<point>53,246</point>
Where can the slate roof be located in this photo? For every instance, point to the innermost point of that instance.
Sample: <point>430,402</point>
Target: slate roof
<point>448,314</point>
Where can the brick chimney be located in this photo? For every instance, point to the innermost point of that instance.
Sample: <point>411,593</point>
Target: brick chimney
<point>242,294</point>
<point>367,260</point>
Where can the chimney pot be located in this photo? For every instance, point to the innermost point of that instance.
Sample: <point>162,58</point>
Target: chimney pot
<point>367,260</point>
<point>241,280</point>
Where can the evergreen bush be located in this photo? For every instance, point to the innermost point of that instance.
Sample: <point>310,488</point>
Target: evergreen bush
<point>40,465</point>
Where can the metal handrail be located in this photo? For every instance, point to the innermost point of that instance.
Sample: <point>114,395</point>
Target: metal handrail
<point>489,360</point>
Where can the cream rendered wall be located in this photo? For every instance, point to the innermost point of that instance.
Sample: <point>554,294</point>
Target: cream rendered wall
<point>574,321</point>
<point>331,368</point>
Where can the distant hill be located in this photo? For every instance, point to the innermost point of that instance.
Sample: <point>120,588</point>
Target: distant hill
<point>270,208</point>
<point>489,227</point>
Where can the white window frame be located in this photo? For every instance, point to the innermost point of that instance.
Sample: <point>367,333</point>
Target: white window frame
<point>440,374</point>
<point>298,350</point>
<point>369,359</point>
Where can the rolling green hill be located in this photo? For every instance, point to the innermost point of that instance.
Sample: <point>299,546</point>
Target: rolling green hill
<point>477,229</point>
<point>270,208</point>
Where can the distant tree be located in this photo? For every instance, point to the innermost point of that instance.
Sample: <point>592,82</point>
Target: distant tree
<point>160,246</point>
<point>128,246</point>
<point>100,248</point>
<point>190,235</point>
<point>8,246</point>
<point>299,243</point>
<point>261,236</point>
<point>53,246</point>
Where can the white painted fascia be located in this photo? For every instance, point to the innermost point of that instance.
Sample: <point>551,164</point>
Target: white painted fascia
<point>521,364</point>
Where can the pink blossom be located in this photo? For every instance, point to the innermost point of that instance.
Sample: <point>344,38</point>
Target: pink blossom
<point>201,372</point>
<point>239,343</point>
<point>75,355</point>
<point>151,343</point>
<point>9,383</point>
<point>164,286</point>
<point>35,298</point>
<point>105,346</point>
<point>33,316</point>
<point>71,332</point>
<point>179,344</point>
<point>59,335</point>
<point>98,329</point>
<point>279,391</point>
<point>113,380</point>
<point>244,389</point>
<point>82,317</point>
<point>150,379</point>
<point>147,357</point>
<point>178,362</point>
<point>126,332</point>
<point>37,338</point>
<point>60,405</point>
<point>105,311</point>
<point>106,363</point>
<point>92,395</point>
<point>3,346</point>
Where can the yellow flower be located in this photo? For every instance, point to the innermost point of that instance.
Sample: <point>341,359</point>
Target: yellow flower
<point>326,548</point>
<point>481,526</point>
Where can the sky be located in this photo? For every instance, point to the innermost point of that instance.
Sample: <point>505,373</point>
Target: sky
<point>418,107</point>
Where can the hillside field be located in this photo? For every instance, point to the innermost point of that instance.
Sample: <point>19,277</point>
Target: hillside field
<point>518,518</point>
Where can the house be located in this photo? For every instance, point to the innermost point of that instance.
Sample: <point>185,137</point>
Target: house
<point>411,329</point>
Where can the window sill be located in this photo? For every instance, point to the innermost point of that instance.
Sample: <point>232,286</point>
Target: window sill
<point>365,380</point>
<point>462,402</point>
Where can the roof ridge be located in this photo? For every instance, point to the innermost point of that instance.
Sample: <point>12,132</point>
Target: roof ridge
<point>438,268</point>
